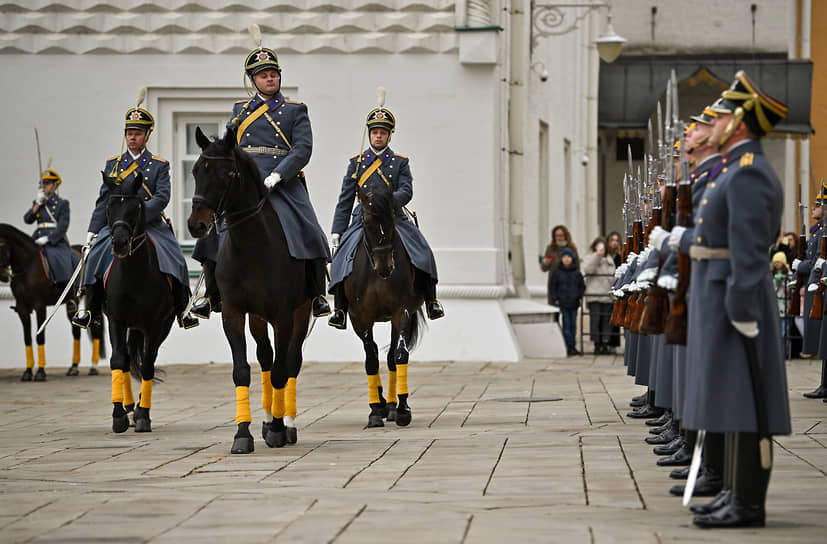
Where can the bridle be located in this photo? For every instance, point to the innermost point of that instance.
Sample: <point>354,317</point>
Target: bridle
<point>219,214</point>
<point>135,240</point>
<point>385,244</point>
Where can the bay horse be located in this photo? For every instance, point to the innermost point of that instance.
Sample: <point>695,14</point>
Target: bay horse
<point>256,276</point>
<point>380,288</point>
<point>23,266</point>
<point>138,302</point>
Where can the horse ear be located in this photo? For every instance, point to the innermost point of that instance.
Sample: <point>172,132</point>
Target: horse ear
<point>229,138</point>
<point>201,138</point>
<point>109,181</point>
<point>136,184</point>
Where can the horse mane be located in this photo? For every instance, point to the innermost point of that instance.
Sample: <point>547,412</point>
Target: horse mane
<point>382,201</point>
<point>11,232</point>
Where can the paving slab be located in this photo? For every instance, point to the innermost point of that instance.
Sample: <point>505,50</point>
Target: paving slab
<point>535,451</point>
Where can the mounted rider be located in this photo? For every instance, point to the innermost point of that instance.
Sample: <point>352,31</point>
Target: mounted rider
<point>138,125</point>
<point>378,163</point>
<point>277,134</point>
<point>51,213</point>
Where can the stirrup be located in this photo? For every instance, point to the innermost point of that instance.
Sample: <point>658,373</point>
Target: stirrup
<point>320,307</point>
<point>187,321</point>
<point>435,309</point>
<point>82,318</point>
<point>202,308</point>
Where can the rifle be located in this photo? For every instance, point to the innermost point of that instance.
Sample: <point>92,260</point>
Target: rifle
<point>794,306</point>
<point>817,311</point>
<point>654,218</point>
<point>619,309</point>
<point>637,246</point>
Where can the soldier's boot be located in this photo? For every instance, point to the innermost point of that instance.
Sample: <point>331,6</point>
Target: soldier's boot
<point>718,452</point>
<point>211,301</point>
<point>749,493</point>
<point>709,484</point>
<point>90,306</point>
<point>821,390</point>
<point>338,318</point>
<point>181,297</point>
<point>315,274</point>
<point>433,307</point>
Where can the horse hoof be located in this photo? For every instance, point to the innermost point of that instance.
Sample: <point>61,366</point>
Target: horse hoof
<point>403,416</point>
<point>27,375</point>
<point>276,439</point>
<point>265,426</point>
<point>243,444</point>
<point>93,371</point>
<point>291,434</point>
<point>391,411</point>
<point>40,376</point>
<point>73,371</point>
<point>143,426</point>
<point>120,423</point>
<point>375,420</point>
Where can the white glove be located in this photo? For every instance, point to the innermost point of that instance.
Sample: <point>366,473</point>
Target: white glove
<point>644,256</point>
<point>812,287</point>
<point>334,242</point>
<point>41,197</point>
<point>621,270</point>
<point>632,256</point>
<point>794,266</point>
<point>819,264</point>
<point>643,285</point>
<point>648,275</point>
<point>747,328</point>
<point>271,180</point>
<point>675,237</point>
<point>657,236</point>
<point>627,288</point>
<point>90,238</point>
<point>668,282</point>
<point>42,241</point>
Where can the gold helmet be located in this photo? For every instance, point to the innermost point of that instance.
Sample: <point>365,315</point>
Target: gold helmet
<point>746,102</point>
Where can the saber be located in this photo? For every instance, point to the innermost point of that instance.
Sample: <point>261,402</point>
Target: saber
<point>689,488</point>
<point>39,160</point>
<point>195,296</point>
<point>78,271</point>
<point>764,446</point>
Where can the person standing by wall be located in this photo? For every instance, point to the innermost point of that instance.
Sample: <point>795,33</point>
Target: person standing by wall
<point>565,291</point>
<point>550,260</point>
<point>598,272</point>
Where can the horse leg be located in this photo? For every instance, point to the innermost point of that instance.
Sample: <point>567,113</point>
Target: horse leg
<point>375,400</point>
<point>233,322</point>
<point>150,344</point>
<point>403,411</point>
<point>277,435</point>
<point>40,376</point>
<point>97,336</point>
<point>392,399</point>
<point>301,319</point>
<point>264,354</point>
<point>73,370</point>
<point>26,321</point>
<point>118,363</point>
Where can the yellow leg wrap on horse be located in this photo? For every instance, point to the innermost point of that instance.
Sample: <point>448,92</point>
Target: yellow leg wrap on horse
<point>242,405</point>
<point>402,379</point>
<point>41,355</point>
<point>266,392</point>
<point>278,403</point>
<point>127,389</point>
<point>75,351</point>
<point>96,351</point>
<point>392,386</point>
<point>117,386</point>
<point>373,388</point>
<point>29,357</point>
<point>146,393</point>
<point>290,408</point>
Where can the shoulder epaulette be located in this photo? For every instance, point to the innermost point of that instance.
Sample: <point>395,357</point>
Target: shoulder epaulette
<point>400,156</point>
<point>356,155</point>
<point>746,159</point>
<point>241,102</point>
<point>113,158</point>
<point>294,102</point>
<point>159,159</point>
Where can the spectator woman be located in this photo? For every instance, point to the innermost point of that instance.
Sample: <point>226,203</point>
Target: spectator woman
<point>560,240</point>
<point>598,272</point>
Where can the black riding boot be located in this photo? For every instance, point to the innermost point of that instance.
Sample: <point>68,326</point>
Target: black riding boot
<point>710,482</point>
<point>723,450</point>
<point>433,307</point>
<point>338,318</point>
<point>181,297</point>
<point>316,271</point>
<point>821,390</point>
<point>749,494</point>
<point>90,305</point>
<point>211,301</point>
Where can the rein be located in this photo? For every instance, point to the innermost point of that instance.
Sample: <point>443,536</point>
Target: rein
<point>135,240</point>
<point>219,215</point>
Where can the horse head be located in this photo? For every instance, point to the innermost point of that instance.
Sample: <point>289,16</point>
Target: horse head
<point>218,174</point>
<point>125,214</point>
<point>379,211</point>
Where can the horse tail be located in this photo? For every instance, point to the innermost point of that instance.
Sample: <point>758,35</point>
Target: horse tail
<point>418,327</point>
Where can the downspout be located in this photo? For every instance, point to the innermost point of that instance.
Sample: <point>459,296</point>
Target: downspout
<point>516,145</point>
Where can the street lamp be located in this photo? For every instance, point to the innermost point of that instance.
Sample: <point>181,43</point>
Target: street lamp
<point>550,20</point>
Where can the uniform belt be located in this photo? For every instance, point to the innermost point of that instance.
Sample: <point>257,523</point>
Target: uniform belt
<point>266,151</point>
<point>704,252</point>
<point>47,225</point>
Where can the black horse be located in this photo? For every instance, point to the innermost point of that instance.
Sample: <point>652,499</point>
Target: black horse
<point>24,267</point>
<point>381,288</point>
<point>139,302</point>
<point>257,276</point>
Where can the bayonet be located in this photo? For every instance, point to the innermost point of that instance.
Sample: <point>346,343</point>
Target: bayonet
<point>39,160</point>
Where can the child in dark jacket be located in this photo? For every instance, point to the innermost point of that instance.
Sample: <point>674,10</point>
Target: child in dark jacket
<point>565,290</point>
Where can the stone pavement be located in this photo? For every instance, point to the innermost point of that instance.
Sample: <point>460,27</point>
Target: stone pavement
<point>478,464</point>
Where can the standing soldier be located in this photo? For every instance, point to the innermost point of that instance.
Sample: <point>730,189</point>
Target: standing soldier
<point>277,134</point>
<point>810,268</point>
<point>138,125</point>
<point>736,382</point>
<point>385,166</point>
<point>52,216</point>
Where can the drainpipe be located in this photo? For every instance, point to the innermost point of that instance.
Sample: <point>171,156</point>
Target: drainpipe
<point>518,55</point>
